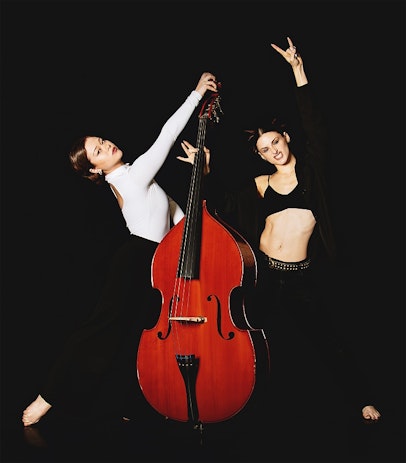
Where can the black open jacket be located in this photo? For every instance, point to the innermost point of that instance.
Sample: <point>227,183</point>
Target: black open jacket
<point>239,205</point>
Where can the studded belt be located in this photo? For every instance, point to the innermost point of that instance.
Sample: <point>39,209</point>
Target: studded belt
<point>276,264</point>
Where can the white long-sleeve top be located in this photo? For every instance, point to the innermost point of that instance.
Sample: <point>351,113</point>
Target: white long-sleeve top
<point>147,209</point>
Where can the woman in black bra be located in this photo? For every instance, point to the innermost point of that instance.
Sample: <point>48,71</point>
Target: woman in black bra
<point>284,217</point>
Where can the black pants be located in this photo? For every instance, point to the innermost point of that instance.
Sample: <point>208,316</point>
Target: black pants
<point>315,382</point>
<point>98,362</point>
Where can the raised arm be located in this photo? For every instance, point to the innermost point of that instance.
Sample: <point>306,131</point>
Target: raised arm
<point>147,165</point>
<point>313,120</point>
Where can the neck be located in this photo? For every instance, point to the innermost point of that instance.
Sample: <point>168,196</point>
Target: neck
<point>119,164</point>
<point>288,168</point>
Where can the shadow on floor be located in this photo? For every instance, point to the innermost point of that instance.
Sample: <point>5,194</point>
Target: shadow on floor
<point>154,439</point>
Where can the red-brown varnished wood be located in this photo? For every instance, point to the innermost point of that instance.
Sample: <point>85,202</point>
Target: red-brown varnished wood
<point>226,372</point>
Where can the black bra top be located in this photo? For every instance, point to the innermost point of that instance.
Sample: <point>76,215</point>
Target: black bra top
<point>275,202</point>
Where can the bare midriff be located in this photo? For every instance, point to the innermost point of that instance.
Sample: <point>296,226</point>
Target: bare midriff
<point>287,233</point>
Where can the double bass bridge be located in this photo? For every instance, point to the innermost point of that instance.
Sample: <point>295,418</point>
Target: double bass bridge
<point>189,319</point>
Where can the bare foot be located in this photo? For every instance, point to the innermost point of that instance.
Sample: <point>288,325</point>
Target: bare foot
<point>35,411</point>
<point>370,413</point>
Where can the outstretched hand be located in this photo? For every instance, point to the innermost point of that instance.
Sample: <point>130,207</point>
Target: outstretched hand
<point>190,152</point>
<point>206,82</point>
<point>290,54</point>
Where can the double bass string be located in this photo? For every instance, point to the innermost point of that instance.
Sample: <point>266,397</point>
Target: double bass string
<point>188,265</point>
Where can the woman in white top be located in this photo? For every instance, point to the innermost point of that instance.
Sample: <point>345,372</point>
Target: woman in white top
<point>109,338</point>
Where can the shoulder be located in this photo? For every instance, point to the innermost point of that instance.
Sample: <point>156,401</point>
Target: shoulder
<point>262,183</point>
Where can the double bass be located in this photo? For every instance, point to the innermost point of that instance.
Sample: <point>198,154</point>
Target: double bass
<point>200,362</point>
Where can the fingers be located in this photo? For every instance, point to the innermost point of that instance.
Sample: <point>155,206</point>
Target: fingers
<point>207,82</point>
<point>209,76</point>
<point>281,51</point>
<point>370,413</point>
<point>290,54</point>
<point>181,158</point>
<point>188,148</point>
<point>191,150</point>
<point>278,49</point>
<point>292,49</point>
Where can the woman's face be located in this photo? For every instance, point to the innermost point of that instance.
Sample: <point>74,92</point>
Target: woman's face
<point>103,154</point>
<point>274,147</point>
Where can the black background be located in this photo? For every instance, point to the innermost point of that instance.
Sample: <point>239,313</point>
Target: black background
<point>118,70</point>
